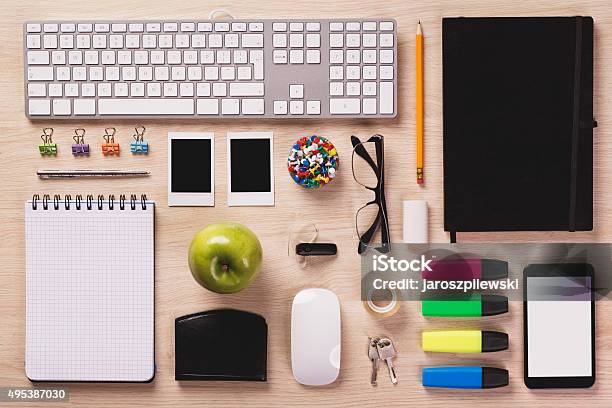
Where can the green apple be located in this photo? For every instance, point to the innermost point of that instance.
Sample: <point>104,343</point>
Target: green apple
<point>225,257</point>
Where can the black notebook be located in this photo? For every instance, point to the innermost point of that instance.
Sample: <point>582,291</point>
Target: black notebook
<point>518,124</point>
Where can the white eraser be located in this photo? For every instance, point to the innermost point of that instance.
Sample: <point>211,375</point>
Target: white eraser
<point>415,222</point>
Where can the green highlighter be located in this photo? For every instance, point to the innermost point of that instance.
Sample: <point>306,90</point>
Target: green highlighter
<point>465,306</point>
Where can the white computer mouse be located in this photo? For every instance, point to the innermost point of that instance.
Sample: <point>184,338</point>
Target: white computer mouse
<point>315,337</point>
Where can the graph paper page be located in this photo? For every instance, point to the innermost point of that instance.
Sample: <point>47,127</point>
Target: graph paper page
<point>90,293</point>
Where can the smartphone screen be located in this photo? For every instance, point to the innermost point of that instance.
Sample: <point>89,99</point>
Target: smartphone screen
<point>559,331</point>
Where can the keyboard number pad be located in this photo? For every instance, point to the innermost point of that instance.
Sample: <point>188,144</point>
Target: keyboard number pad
<point>361,72</point>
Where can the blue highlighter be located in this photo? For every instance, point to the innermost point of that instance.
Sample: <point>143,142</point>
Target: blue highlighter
<point>464,377</point>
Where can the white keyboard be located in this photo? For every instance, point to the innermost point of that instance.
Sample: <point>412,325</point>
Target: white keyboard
<point>211,69</point>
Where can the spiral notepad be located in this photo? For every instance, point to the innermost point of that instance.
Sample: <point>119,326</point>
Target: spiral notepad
<point>90,288</point>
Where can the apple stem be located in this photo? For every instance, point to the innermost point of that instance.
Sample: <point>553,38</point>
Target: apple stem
<point>225,267</point>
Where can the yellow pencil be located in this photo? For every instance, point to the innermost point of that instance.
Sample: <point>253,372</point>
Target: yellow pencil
<point>419,105</point>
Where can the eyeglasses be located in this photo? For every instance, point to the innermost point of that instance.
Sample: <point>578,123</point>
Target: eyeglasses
<point>368,161</point>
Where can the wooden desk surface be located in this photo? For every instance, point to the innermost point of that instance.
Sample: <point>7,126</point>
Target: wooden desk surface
<point>332,210</point>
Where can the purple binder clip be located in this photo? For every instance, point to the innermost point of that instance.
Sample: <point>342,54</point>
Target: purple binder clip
<point>79,148</point>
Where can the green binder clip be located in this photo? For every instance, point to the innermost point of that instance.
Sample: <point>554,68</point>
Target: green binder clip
<point>48,148</point>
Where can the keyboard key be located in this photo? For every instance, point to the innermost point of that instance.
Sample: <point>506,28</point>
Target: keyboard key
<point>228,73</point>
<point>353,26</point>
<point>313,56</point>
<point>369,56</point>
<point>50,41</point>
<point>313,40</point>
<point>313,26</point>
<point>353,88</point>
<point>246,89</point>
<point>369,26</point>
<point>369,88</point>
<point>369,72</point>
<point>170,27</point>
<point>369,106</point>
<point>194,73</point>
<point>252,40</point>
<point>279,40</point>
<point>136,27</point>
<point>239,27</point>
<point>353,40</point>
<point>66,41</point>
<point>230,106</point>
<point>386,26</point>
<point>219,89</point>
<point>313,107</point>
<point>386,72</point>
<point>188,27</point>
<point>222,26</point>
<point>252,106</point>
<point>85,28</point>
<point>296,27</point>
<point>101,28</point>
<point>84,106</point>
<point>280,56</point>
<point>344,106</point>
<point>256,58</point>
<point>353,56</point>
<point>296,91</point>
<point>280,107</point>
<point>336,72</point>
<point>369,40</point>
<point>279,26</point>
<point>336,40</point>
<point>296,40</point>
<point>33,41</point>
<point>128,106</point>
<point>204,26</point>
<point>386,56</point>
<point>386,40</point>
<point>50,28</point>
<point>58,57</point>
<point>186,89</point>
<point>33,28</point>
<point>336,26</point>
<point>256,27</point>
<point>37,90</point>
<point>336,88</point>
<point>245,73</point>
<point>296,57</point>
<point>153,27</point>
<point>119,28</point>
<point>38,57</point>
<point>231,40</point>
<point>40,73</point>
<point>129,73</point>
<point>215,41</point>
<point>336,56</point>
<point>296,107</point>
<point>353,72</point>
<point>198,41</point>
<point>39,107</point>
<point>203,89</point>
<point>208,106</point>
<point>386,97</point>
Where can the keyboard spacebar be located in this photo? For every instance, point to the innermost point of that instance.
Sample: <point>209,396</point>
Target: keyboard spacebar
<point>132,106</point>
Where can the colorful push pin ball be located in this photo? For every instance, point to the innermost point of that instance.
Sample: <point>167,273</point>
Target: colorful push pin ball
<point>313,161</point>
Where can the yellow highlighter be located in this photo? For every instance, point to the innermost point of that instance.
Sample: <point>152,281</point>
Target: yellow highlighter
<point>464,341</point>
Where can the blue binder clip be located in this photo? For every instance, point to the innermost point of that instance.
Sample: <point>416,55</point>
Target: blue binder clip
<point>79,147</point>
<point>139,146</point>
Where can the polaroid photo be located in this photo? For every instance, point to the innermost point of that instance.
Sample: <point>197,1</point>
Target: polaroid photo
<point>191,169</point>
<point>250,173</point>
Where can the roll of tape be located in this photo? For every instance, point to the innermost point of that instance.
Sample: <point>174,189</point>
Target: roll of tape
<point>388,309</point>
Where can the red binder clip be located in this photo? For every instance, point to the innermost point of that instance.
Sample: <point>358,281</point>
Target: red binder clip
<point>110,148</point>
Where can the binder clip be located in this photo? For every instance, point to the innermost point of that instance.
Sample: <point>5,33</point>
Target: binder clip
<point>109,147</point>
<point>139,146</point>
<point>48,148</point>
<point>79,147</point>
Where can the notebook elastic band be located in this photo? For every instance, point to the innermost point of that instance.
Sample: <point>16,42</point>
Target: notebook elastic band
<point>575,125</point>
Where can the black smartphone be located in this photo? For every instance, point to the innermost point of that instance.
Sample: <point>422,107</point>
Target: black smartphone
<point>559,325</point>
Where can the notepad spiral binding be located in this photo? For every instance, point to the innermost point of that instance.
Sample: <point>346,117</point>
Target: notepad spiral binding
<point>88,202</point>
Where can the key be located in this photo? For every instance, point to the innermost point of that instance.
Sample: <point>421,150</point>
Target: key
<point>386,351</point>
<point>373,354</point>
